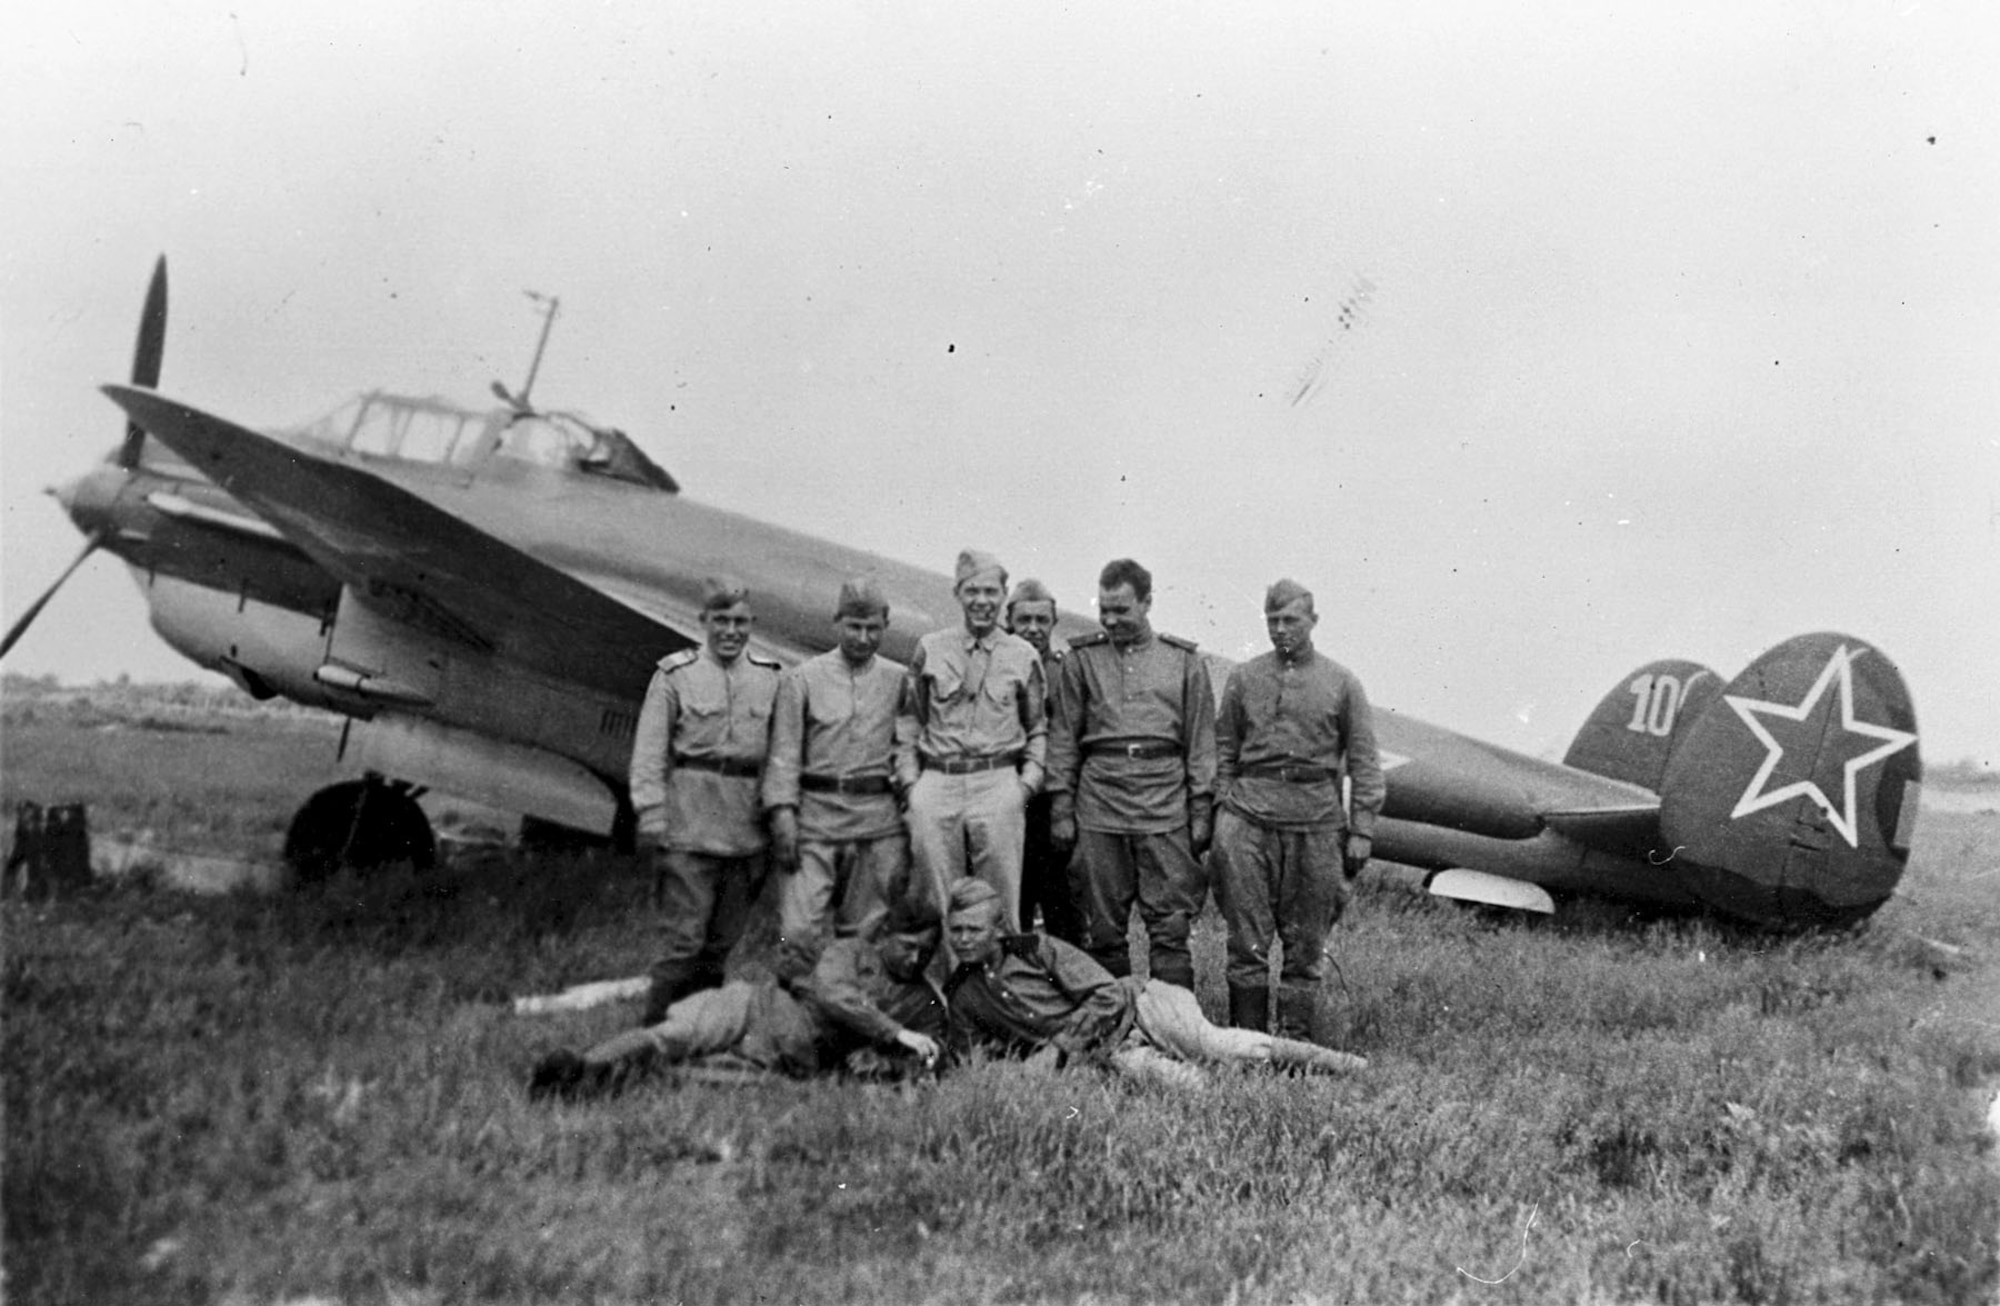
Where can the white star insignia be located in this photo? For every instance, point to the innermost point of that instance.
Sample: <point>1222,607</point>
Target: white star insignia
<point>1839,669</point>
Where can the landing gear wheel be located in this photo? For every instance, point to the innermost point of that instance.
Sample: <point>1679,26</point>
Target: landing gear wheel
<point>360,824</point>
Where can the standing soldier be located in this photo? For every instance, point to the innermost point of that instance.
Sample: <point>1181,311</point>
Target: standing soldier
<point>1031,614</point>
<point>970,740</point>
<point>836,834</point>
<point>1132,771</point>
<point>696,756</point>
<point>1293,721</point>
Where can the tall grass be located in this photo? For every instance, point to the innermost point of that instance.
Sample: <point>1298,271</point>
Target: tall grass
<point>261,1100</point>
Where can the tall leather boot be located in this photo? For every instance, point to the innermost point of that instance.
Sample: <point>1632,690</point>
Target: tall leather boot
<point>1295,1011</point>
<point>1175,966</point>
<point>1250,1006</point>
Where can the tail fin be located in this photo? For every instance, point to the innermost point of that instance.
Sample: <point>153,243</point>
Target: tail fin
<point>1793,798</point>
<point>1635,729</point>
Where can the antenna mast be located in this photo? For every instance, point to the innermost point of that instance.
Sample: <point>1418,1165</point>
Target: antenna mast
<point>552,303</point>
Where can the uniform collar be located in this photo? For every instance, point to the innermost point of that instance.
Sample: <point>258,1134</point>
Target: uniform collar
<point>1298,661</point>
<point>969,641</point>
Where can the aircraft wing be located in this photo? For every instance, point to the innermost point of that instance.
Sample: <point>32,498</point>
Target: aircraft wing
<point>415,562</point>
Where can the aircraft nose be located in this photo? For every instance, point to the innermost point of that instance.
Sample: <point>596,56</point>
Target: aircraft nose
<point>65,492</point>
<point>90,498</point>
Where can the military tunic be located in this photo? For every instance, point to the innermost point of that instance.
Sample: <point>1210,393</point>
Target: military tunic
<point>972,698</point>
<point>698,749</point>
<point>1280,722</point>
<point>1151,698</point>
<point>836,723</point>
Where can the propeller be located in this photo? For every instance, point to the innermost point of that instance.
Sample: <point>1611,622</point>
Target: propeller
<point>20,627</point>
<point>146,372</point>
<point>146,357</point>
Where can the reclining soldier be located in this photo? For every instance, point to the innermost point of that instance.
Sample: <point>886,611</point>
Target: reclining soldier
<point>864,997</point>
<point>1030,995</point>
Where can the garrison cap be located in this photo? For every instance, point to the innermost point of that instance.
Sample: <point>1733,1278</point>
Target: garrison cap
<point>969,895</point>
<point>1284,592</point>
<point>718,592</point>
<point>973,563</point>
<point>860,597</point>
<point>1029,591</point>
<point>913,915</point>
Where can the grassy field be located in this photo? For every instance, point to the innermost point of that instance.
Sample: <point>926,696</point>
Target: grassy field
<point>319,1096</point>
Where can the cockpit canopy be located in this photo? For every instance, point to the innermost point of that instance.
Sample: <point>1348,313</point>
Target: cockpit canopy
<point>434,431</point>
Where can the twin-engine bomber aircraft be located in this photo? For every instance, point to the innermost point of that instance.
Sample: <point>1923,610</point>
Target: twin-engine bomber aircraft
<point>484,596</point>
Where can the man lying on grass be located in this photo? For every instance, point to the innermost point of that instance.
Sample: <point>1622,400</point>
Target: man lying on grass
<point>1030,995</point>
<point>862,998</point>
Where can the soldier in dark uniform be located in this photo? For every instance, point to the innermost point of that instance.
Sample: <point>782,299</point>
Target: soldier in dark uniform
<point>1031,614</point>
<point>1293,722</point>
<point>1132,778</point>
<point>696,757</point>
<point>1029,995</point>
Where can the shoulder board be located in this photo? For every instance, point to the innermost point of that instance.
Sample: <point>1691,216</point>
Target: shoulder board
<point>759,660</point>
<point>682,658</point>
<point>1085,641</point>
<point>1186,645</point>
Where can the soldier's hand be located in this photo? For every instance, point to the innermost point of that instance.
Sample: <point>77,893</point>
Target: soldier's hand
<point>1062,834</point>
<point>922,1046</point>
<point>1062,823</point>
<point>1201,825</point>
<point>785,838</point>
<point>1356,854</point>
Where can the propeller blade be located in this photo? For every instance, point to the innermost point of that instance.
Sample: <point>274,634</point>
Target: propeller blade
<point>20,627</point>
<point>146,356</point>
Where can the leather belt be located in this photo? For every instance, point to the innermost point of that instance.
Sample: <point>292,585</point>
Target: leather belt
<point>1148,750</point>
<point>737,766</point>
<point>969,765</point>
<point>845,784</point>
<point>1298,775</point>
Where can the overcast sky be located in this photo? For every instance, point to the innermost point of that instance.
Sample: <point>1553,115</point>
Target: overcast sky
<point>1539,340</point>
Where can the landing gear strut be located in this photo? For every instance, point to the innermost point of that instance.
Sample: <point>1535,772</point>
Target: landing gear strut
<point>359,824</point>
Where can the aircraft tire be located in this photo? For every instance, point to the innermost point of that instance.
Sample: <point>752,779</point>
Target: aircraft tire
<point>358,825</point>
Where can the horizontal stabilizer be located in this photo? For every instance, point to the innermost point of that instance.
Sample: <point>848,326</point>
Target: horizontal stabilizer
<point>1492,890</point>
